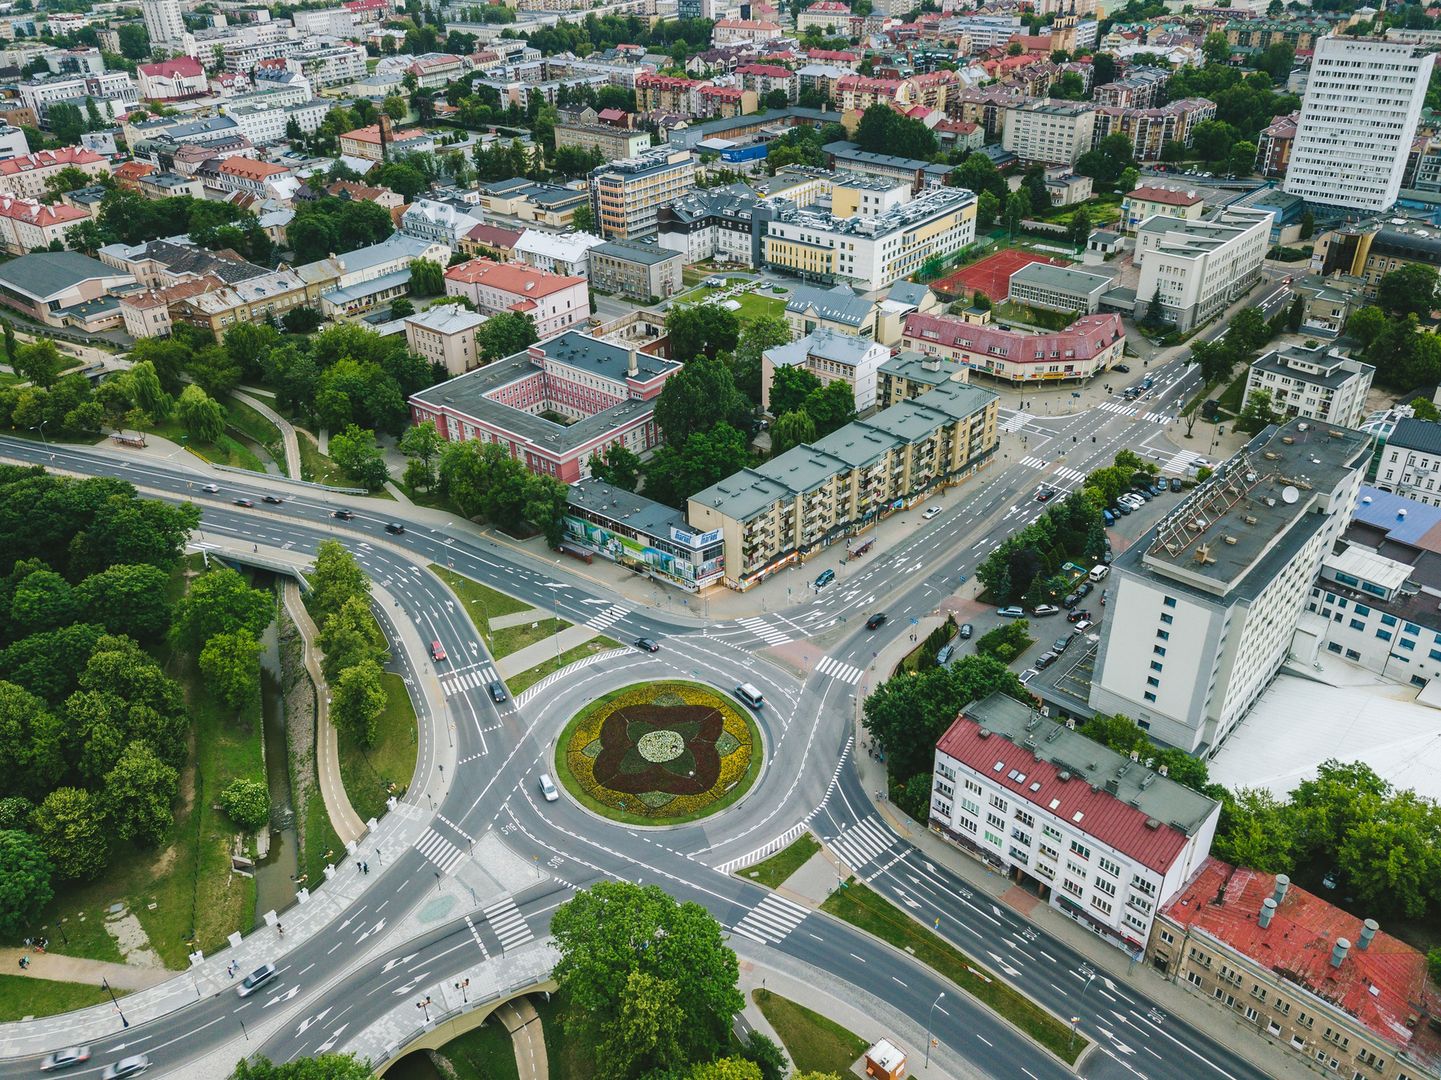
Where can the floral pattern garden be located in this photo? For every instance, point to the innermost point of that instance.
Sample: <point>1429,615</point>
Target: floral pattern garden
<point>659,753</point>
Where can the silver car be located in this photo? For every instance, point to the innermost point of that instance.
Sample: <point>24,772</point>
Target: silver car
<point>63,1059</point>
<point>130,1066</point>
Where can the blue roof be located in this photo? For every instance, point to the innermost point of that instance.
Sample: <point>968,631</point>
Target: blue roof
<point>1383,510</point>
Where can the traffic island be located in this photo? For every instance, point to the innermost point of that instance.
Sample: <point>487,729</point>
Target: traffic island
<point>659,753</point>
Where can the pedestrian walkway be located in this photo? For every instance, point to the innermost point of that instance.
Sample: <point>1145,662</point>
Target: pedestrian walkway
<point>56,967</point>
<point>553,646</point>
<point>523,1023</point>
<point>287,431</point>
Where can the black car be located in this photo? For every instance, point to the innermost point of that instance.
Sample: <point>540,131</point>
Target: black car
<point>1046,494</point>
<point>1061,644</point>
<point>1045,660</point>
<point>394,528</point>
<point>1124,369</point>
<point>1175,483</point>
<point>1071,600</point>
<point>1078,616</point>
<point>244,502</point>
<point>647,645</point>
<point>497,692</point>
<point>344,515</point>
<point>273,500</point>
<point>875,620</point>
<point>1083,590</point>
<point>966,631</point>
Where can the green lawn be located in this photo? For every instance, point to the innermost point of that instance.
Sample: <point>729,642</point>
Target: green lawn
<point>1231,398</point>
<point>510,639</point>
<point>814,1043</point>
<point>773,872</point>
<point>487,1053</point>
<point>526,679</point>
<point>251,424</point>
<point>319,837</point>
<point>316,467</point>
<point>568,1058</point>
<point>368,774</point>
<point>869,911</point>
<point>226,450</point>
<point>752,304</point>
<point>21,997</point>
<point>481,602</point>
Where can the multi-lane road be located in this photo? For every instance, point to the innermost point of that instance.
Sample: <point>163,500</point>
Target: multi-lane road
<point>499,749</point>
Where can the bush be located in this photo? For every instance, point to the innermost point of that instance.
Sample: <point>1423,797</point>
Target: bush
<point>247,802</point>
<point>1005,643</point>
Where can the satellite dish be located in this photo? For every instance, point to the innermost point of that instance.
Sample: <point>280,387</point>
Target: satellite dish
<point>1289,494</point>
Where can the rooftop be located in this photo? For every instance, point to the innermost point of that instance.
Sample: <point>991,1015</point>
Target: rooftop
<point>1060,277</point>
<point>630,251</point>
<point>1083,339</point>
<point>446,319</point>
<point>508,277</point>
<point>1413,434</point>
<point>1383,985</point>
<point>1166,196</point>
<point>48,274</point>
<point>1119,801</point>
<point>839,304</point>
<point>636,511</point>
<point>1321,365</point>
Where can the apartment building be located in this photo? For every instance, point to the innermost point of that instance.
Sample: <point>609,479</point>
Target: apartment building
<point>1192,270</point>
<point>445,334</point>
<point>435,70</point>
<point>606,391</point>
<point>556,253</point>
<point>1088,347</point>
<point>1140,88</point>
<point>369,144</point>
<point>1330,988</point>
<point>848,157</point>
<point>167,80</point>
<point>667,93</point>
<point>1301,34</point>
<point>1049,132</point>
<point>325,22</point>
<point>266,298</point>
<point>838,309</point>
<point>908,375</point>
<point>1274,145</point>
<point>1149,130</point>
<point>1358,120</point>
<point>868,252</point>
<point>712,223</point>
<point>1370,253</point>
<point>113,92</point>
<point>612,143</point>
<point>1149,201</point>
<point>1316,383</point>
<point>27,225</point>
<point>744,31</point>
<point>328,65</point>
<point>635,270</point>
<point>1410,462</point>
<point>265,125</point>
<point>814,494</point>
<point>257,178</point>
<point>829,15</point>
<point>830,356</point>
<point>765,79</point>
<point>1217,587</point>
<point>1100,836</point>
<point>164,23</point>
<point>554,301</point>
<point>26,177</point>
<point>626,196</point>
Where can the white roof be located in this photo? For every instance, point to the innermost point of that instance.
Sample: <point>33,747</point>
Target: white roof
<point>1369,566</point>
<point>1298,723</point>
<point>447,319</point>
<point>887,1055</point>
<point>567,247</point>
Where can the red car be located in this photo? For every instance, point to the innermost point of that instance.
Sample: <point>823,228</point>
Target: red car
<point>437,651</point>
<point>1046,494</point>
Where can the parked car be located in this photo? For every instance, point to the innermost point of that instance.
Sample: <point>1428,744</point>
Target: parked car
<point>1070,600</point>
<point>875,620</point>
<point>1108,517</point>
<point>932,512</point>
<point>1083,626</point>
<point>825,578</point>
<point>647,644</point>
<point>1027,675</point>
<point>1158,489</point>
<point>1123,508</point>
<point>1175,483</point>
<point>437,651</point>
<point>1061,644</point>
<point>273,500</point>
<point>252,982</point>
<point>128,1066</point>
<point>395,528</point>
<point>966,631</point>
<point>1011,613</point>
<point>1145,493</point>
<point>1124,369</point>
<point>944,656</point>
<point>1042,610</point>
<point>343,515</point>
<point>1078,616</point>
<point>1045,660</point>
<point>1084,589</point>
<point>63,1059</point>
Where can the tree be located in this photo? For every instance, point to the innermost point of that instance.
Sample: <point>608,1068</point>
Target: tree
<point>70,829</point>
<point>762,1051</point>
<point>726,1068</point>
<point>350,637</point>
<point>202,415</point>
<point>127,599</point>
<point>582,219</point>
<point>422,443</point>
<point>1216,49</point>
<point>675,473</point>
<point>831,406</point>
<point>134,41</point>
<point>791,429</point>
<point>1018,205</point>
<point>336,578</point>
<point>1079,229</point>
<point>1255,831</point>
<point>1069,87</point>
<point>988,207</point>
<point>427,278</point>
<point>505,334</point>
<point>1213,139</point>
<point>68,179</point>
<point>358,700</point>
<point>356,451</point>
<point>1259,412</point>
<point>1408,290</point>
<point>1425,409</point>
<point>32,743</point>
<point>759,334</point>
<point>401,308</point>
<point>618,467</point>
<point>1297,313</point>
<point>138,795</point>
<point>230,661</point>
<point>323,1067</point>
<point>25,872</point>
<point>247,802</point>
<point>147,393</point>
<point>701,329</point>
<point>41,599</point>
<point>220,602</point>
<point>700,395</point>
<point>1128,180</point>
<point>9,330</point>
<point>613,930</point>
<point>40,362</point>
<point>1365,325</point>
<point>790,386</point>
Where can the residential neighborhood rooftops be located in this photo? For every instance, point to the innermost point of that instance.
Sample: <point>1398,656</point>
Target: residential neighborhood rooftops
<point>1165,196</point>
<point>508,277</point>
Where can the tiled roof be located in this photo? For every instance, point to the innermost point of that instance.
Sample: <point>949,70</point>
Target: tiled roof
<point>38,214</point>
<point>494,236</point>
<point>1082,340</point>
<point>186,67</point>
<point>250,169</point>
<point>518,280</point>
<point>1166,196</point>
<point>1384,986</point>
<point>50,159</point>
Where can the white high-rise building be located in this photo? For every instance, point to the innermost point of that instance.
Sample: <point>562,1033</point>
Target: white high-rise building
<point>1357,121</point>
<point>163,22</point>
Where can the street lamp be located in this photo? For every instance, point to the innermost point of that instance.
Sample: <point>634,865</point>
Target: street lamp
<point>111,992</point>
<point>424,1006</point>
<point>929,1017</point>
<point>462,986</point>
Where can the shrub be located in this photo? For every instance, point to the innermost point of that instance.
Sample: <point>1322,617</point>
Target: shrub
<point>247,802</point>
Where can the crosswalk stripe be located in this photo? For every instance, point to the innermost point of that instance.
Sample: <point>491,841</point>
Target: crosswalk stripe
<point>608,617</point>
<point>439,850</point>
<point>846,673</point>
<point>771,920</point>
<point>1033,462</point>
<point>771,635</point>
<point>508,923</point>
<point>862,843</point>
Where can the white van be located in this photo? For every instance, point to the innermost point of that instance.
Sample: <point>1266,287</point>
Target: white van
<point>750,695</point>
<point>1098,573</point>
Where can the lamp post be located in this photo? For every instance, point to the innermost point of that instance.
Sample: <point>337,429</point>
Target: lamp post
<point>124,1022</point>
<point>463,986</point>
<point>424,1006</point>
<point>929,1017</point>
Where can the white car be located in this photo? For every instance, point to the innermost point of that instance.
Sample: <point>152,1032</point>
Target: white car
<point>1027,675</point>
<point>547,788</point>
<point>932,512</point>
<point>1135,502</point>
<point>214,489</point>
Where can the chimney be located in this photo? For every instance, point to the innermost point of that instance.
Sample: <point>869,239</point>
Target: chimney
<point>1282,884</point>
<point>1368,931</point>
<point>1339,952</point>
<point>632,367</point>
<point>1268,912</point>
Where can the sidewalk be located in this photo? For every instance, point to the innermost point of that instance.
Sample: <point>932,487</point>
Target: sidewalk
<point>523,1023</point>
<point>286,429</point>
<point>54,967</point>
<point>547,649</point>
<point>1215,1022</point>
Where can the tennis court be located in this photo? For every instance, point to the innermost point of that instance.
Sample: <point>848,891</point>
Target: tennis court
<point>992,275</point>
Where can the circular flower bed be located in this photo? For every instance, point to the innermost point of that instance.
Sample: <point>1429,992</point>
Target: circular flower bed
<point>659,753</point>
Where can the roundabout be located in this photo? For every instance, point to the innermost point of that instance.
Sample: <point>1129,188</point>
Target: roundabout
<point>659,753</point>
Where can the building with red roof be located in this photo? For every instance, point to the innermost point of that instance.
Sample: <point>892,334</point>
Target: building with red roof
<point>170,80</point>
<point>1148,201</point>
<point>28,176</point>
<point>1102,837</point>
<point>1320,982</point>
<point>555,301</point>
<point>1087,347</point>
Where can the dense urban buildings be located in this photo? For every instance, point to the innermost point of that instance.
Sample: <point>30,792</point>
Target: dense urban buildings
<point>626,196</point>
<point>1191,270</point>
<point>1319,382</point>
<point>1089,346</point>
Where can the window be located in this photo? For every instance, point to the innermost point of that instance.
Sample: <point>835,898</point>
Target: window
<point>1028,820</point>
<point>1102,885</point>
<point>1357,624</point>
<point>1169,601</point>
<point>993,838</point>
<point>1164,635</point>
<point>1151,680</point>
<point>1078,848</point>
<point>1109,867</point>
<point>1194,979</point>
<point>973,787</point>
<point>1051,831</point>
<point>1352,654</point>
<point>1385,635</point>
<point>1074,888</point>
<point>1157,665</point>
<point>1149,696</point>
<point>1101,905</point>
<point>999,803</point>
<point>1168,937</point>
<point>996,820</point>
<point>1167,620</point>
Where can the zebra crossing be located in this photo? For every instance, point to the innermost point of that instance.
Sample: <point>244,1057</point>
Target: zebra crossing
<point>439,850</point>
<point>1033,462</point>
<point>1014,422</point>
<point>508,923</point>
<point>771,920</point>
<point>468,680</point>
<point>862,843</point>
<point>846,673</point>
<point>1067,473</point>
<point>475,935</point>
<point>771,635</point>
<point>1121,409</point>
<point>1182,460</point>
<point>606,618</point>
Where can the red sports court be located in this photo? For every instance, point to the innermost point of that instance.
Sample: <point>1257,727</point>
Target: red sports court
<point>992,275</point>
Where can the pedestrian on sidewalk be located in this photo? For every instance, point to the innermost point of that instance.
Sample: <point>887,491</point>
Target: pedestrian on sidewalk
<point>365,868</point>
<point>280,929</point>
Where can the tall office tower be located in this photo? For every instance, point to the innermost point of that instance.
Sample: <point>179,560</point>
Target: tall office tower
<point>1357,121</point>
<point>163,22</point>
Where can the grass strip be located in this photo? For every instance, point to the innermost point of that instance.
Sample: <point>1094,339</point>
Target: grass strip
<point>511,639</point>
<point>867,910</point>
<point>526,679</point>
<point>21,997</point>
<point>813,1042</point>
<point>368,773</point>
<point>773,872</point>
<point>481,602</point>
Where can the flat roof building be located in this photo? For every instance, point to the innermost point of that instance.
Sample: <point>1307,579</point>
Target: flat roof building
<point>1319,383</point>
<point>1192,271</point>
<point>626,195</point>
<point>642,534</point>
<point>1058,288</point>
